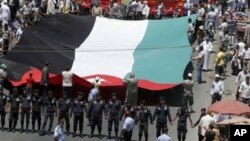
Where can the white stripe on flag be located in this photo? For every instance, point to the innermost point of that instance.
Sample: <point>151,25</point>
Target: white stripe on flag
<point>109,34</point>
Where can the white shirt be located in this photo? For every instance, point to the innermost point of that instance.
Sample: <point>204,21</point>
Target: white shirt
<point>240,78</point>
<point>58,133</point>
<point>3,74</point>
<point>246,53</point>
<point>145,11</point>
<point>190,29</point>
<point>24,10</point>
<point>245,89</point>
<point>139,7</point>
<point>67,78</point>
<point>201,13</point>
<point>241,48</point>
<point>164,137</point>
<point>204,123</point>
<point>217,87</point>
<point>128,124</point>
<point>211,16</point>
<point>207,46</point>
<point>5,11</point>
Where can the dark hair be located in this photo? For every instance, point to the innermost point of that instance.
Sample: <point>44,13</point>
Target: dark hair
<point>203,109</point>
<point>189,20</point>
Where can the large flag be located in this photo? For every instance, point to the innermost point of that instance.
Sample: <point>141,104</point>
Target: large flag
<point>157,51</point>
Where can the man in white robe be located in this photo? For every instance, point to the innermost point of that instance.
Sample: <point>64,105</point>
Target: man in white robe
<point>207,47</point>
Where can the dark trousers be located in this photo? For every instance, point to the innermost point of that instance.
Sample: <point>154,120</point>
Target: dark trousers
<point>36,115</point>
<point>13,120</point>
<point>78,120</point>
<point>65,116</point>
<point>25,113</point>
<point>200,137</point>
<point>44,90</point>
<point>5,46</point>
<point>2,114</point>
<point>51,119</point>
<point>96,121</point>
<point>116,125</point>
<point>159,128</point>
<point>181,133</point>
<point>143,127</point>
<point>128,135</point>
<point>216,97</point>
<point>237,96</point>
<point>67,91</point>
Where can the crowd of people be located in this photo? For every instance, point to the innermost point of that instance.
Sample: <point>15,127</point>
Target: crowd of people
<point>211,17</point>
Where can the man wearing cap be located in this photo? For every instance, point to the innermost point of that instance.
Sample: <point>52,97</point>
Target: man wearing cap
<point>208,48</point>
<point>95,112</point>
<point>64,107</point>
<point>113,112</point>
<point>48,111</point>
<point>200,34</point>
<point>217,89</point>
<point>36,110</point>
<point>161,112</point>
<point>183,114</point>
<point>188,98</point>
<point>3,101</point>
<point>244,90</point>
<point>132,89</point>
<point>45,80</point>
<point>67,81</point>
<point>25,109</point>
<point>79,106</point>
<point>143,117</point>
<point>14,103</point>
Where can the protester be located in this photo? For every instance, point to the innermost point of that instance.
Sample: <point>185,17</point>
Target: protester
<point>164,136</point>
<point>188,98</point>
<point>67,82</point>
<point>132,89</point>
<point>58,132</point>
<point>127,128</point>
<point>217,89</point>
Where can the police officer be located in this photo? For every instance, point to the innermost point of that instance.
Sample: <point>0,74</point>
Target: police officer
<point>143,116</point>
<point>96,109</point>
<point>36,110</point>
<point>48,112</point>
<point>128,109</point>
<point>161,112</point>
<point>14,103</point>
<point>113,112</point>
<point>25,109</point>
<point>3,101</point>
<point>64,107</point>
<point>183,114</point>
<point>79,105</point>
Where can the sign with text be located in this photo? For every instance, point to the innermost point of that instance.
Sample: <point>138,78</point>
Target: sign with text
<point>239,132</point>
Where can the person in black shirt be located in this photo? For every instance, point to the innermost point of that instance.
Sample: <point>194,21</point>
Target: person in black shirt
<point>79,106</point>
<point>161,112</point>
<point>210,134</point>
<point>183,114</point>
<point>36,110</point>
<point>113,112</point>
<point>144,115</point>
<point>14,103</point>
<point>25,109</point>
<point>64,107</point>
<point>3,101</point>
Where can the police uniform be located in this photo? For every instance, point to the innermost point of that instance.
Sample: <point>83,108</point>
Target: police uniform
<point>161,113</point>
<point>25,110</point>
<point>14,111</point>
<point>143,117</point>
<point>3,100</point>
<point>113,114</point>
<point>36,111</point>
<point>78,108</point>
<point>95,114</point>
<point>64,106</point>
<point>50,108</point>
<point>182,124</point>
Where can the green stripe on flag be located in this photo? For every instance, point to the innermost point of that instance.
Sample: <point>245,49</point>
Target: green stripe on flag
<point>164,51</point>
